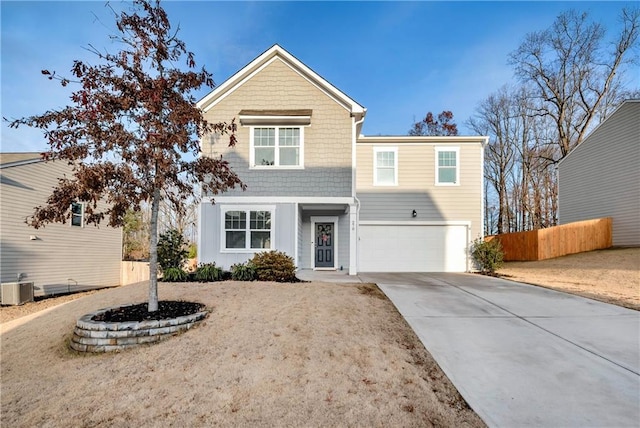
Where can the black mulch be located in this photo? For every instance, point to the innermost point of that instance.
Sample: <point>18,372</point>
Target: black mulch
<point>167,309</point>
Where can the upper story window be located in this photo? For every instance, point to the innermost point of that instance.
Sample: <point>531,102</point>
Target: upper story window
<point>277,147</point>
<point>385,166</point>
<point>447,166</point>
<point>77,214</point>
<point>247,229</point>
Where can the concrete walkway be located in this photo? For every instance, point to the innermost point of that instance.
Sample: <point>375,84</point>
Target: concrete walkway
<point>523,355</point>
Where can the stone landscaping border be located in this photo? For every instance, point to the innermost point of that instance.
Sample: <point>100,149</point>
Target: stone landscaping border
<point>100,336</point>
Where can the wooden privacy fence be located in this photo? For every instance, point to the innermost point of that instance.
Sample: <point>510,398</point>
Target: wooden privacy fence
<point>132,272</point>
<point>556,241</point>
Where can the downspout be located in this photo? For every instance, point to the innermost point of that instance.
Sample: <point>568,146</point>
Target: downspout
<point>483,145</point>
<point>353,186</point>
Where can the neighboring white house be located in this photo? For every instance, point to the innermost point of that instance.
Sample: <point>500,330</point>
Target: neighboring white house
<point>57,258</point>
<point>601,176</point>
<point>323,193</point>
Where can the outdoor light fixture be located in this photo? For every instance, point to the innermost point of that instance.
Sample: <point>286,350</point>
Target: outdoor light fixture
<point>414,213</point>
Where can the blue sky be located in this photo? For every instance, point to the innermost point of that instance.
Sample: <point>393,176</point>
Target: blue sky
<point>398,59</point>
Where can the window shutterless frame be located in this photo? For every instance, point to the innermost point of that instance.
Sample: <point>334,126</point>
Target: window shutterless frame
<point>385,166</point>
<point>276,147</point>
<point>247,229</point>
<point>77,214</point>
<point>447,166</point>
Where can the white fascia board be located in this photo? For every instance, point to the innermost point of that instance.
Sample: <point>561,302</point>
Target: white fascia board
<point>414,141</point>
<point>235,78</point>
<point>415,223</point>
<point>277,199</point>
<point>322,84</point>
<point>255,66</point>
<point>230,85</point>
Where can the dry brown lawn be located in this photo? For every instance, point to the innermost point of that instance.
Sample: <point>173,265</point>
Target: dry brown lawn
<point>286,355</point>
<point>611,275</point>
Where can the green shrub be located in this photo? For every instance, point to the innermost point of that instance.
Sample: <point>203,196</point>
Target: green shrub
<point>171,250</point>
<point>243,272</point>
<point>487,255</point>
<point>173,274</point>
<point>192,251</point>
<point>208,272</point>
<point>274,266</point>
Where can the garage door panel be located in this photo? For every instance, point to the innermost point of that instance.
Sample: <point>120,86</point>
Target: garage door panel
<point>395,248</point>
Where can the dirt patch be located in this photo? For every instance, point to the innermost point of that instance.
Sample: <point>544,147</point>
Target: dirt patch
<point>611,276</point>
<point>8,313</point>
<point>309,354</point>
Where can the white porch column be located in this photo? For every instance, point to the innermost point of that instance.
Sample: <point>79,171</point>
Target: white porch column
<point>353,239</point>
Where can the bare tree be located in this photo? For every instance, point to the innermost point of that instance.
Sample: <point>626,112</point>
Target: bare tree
<point>131,121</point>
<point>494,118</point>
<point>572,73</point>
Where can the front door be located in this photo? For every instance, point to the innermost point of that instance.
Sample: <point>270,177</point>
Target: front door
<point>324,245</point>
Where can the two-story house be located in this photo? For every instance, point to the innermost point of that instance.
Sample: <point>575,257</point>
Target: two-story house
<point>326,195</point>
<point>58,258</point>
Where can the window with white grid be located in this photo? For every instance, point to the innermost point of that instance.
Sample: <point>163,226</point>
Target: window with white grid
<point>276,147</point>
<point>447,168</point>
<point>385,166</point>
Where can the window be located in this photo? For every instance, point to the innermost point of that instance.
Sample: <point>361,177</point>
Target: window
<point>277,147</point>
<point>77,211</point>
<point>447,171</point>
<point>247,229</point>
<point>385,166</point>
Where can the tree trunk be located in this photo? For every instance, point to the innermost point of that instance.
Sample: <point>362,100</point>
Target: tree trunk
<point>153,252</point>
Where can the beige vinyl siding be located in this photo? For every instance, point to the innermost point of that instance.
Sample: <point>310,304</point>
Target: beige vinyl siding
<point>416,189</point>
<point>63,257</point>
<point>327,140</point>
<point>601,177</point>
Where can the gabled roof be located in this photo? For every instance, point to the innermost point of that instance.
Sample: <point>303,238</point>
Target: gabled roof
<point>628,103</point>
<point>278,53</point>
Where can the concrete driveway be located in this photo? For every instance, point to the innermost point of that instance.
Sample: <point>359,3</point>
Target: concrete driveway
<point>523,355</point>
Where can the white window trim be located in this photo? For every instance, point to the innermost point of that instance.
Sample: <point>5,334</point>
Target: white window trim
<point>377,150</point>
<point>324,219</point>
<point>246,208</point>
<point>252,153</point>
<point>81,214</point>
<point>439,149</point>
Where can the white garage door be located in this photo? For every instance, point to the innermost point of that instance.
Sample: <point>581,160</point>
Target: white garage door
<point>412,248</point>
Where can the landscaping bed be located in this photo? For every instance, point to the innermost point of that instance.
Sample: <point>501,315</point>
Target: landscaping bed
<point>140,312</point>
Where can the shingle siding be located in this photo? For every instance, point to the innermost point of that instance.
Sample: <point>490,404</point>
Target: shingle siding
<point>416,189</point>
<point>63,257</point>
<point>327,140</point>
<point>601,177</point>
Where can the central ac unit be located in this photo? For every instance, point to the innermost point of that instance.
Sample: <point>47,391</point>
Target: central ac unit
<point>16,293</point>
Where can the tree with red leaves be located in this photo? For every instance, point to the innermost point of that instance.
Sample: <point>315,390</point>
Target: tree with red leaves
<point>130,124</point>
<point>430,126</point>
